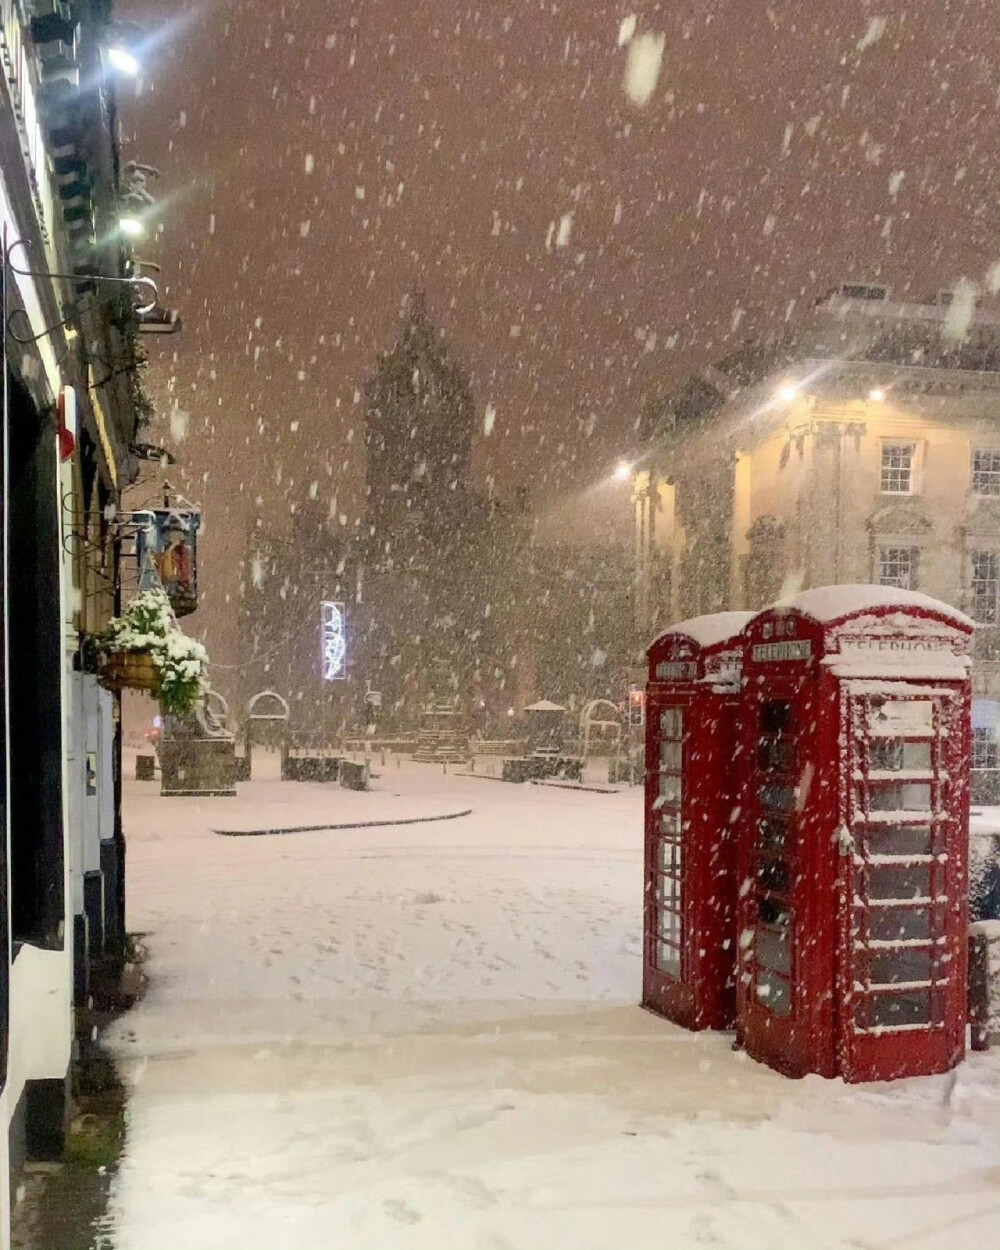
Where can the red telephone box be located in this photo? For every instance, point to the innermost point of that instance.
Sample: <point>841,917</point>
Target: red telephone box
<point>692,699</point>
<point>853,840</point>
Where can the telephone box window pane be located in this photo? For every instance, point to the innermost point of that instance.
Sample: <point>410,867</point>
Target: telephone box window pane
<point>899,924</point>
<point>773,992</point>
<point>670,856</point>
<point>776,756</point>
<point>773,875</point>
<point>899,797</point>
<point>888,1011</point>
<point>773,948</point>
<point>892,755</point>
<point>668,959</point>
<point>901,881</point>
<point>772,836</point>
<point>899,840</point>
<point>772,912</point>
<point>670,899</point>
<point>900,966</point>
<point>670,722</point>
<point>670,755</point>
<point>670,788</point>
<point>780,798</point>
<point>901,718</point>
<point>670,927</point>
<point>670,822</point>
<point>775,716</point>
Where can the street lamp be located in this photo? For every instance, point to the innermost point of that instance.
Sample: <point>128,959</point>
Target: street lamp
<point>623,471</point>
<point>131,227</point>
<point>788,392</point>
<point>876,394</point>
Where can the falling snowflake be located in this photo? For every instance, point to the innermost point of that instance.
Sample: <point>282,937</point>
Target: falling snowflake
<point>642,68</point>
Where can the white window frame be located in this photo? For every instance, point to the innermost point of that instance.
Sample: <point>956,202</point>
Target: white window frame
<point>992,614</point>
<point>992,473</point>
<point>912,564</point>
<point>985,749</point>
<point>888,445</point>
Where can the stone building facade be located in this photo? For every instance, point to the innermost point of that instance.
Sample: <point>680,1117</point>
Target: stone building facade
<point>866,448</point>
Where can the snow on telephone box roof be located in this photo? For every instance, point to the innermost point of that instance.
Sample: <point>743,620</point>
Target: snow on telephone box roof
<point>696,650</point>
<point>861,631</point>
<point>707,631</point>
<point>827,604</point>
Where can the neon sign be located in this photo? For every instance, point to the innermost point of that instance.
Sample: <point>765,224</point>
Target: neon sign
<point>334,641</point>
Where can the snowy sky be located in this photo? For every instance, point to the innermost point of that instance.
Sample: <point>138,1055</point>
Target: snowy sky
<point>592,204</point>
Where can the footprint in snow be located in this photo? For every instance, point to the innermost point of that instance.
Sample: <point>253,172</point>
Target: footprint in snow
<point>402,1211</point>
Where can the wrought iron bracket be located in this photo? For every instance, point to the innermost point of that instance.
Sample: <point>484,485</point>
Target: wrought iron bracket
<point>137,284</point>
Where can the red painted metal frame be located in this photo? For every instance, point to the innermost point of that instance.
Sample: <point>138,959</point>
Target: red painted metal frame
<point>813,770</point>
<point>703,994</point>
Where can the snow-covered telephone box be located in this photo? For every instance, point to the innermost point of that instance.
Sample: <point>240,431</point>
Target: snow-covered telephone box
<point>853,844</point>
<point>689,937</point>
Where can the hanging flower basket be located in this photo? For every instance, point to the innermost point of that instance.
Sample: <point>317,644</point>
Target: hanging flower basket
<point>144,650</point>
<point>129,670</point>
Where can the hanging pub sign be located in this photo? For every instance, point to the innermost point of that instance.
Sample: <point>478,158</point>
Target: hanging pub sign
<point>167,547</point>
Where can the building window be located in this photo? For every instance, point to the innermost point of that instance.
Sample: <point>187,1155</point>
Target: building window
<point>897,468</point>
<point>897,566</point>
<point>985,749</point>
<point>986,472</point>
<point>986,587</point>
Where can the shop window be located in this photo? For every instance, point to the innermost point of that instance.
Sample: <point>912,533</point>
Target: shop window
<point>985,607</point>
<point>898,468</point>
<point>986,472</point>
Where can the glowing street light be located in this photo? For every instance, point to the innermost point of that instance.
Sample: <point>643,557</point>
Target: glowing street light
<point>623,471</point>
<point>876,394</point>
<point>788,392</point>
<point>123,62</point>
<point>131,227</point>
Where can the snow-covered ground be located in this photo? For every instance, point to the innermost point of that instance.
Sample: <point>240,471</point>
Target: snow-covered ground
<point>426,1036</point>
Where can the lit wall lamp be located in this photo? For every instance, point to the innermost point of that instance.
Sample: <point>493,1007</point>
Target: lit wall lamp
<point>788,392</point>
<point>876,395</point>
<point>122,61</point>
<point>131,227</point>
<point>623,471</point>
<point>160,320</point>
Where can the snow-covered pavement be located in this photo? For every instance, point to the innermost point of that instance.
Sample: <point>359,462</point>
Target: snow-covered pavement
<point>426,1036</point>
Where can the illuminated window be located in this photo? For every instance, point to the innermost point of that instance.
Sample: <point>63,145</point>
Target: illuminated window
<point>897,468</point>
<point>985,608</point>
<point>986,472</point>
<point>897,566</point>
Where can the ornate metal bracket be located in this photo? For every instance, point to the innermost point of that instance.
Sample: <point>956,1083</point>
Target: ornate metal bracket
<point>146,285</point>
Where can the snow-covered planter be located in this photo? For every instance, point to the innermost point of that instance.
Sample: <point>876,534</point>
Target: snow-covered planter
<point>144,650</point>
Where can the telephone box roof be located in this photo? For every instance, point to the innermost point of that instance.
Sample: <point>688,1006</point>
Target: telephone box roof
<point>833,603</point>
<point>708,631</point>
